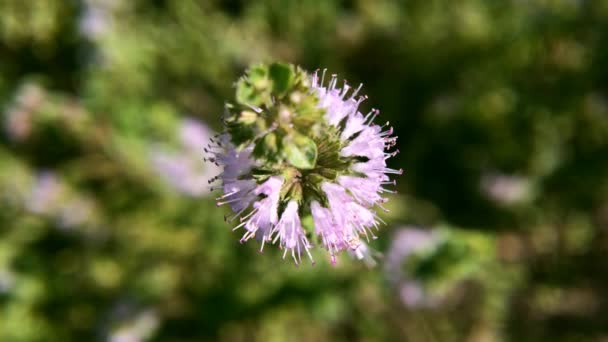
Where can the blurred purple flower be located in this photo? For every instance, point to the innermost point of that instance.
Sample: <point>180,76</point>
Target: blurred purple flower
<point>18,118</point>
<point>406,242</point>
<point>505,189</point>
<point>193,134</point>
<point>96,18</point>
<point>45,194</point>
<point>412,294</point>
<point>182,173</point>
<point>182,169</point>
<point>49,198</point>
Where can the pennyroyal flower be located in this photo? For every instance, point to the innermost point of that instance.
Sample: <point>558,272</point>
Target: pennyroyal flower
<point>296,146</point>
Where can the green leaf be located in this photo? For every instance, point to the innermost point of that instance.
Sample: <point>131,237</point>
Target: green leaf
<point>282,77</point>
<point>257,73</point>
<point>300,151</point>
<point>246,94</point>
<point>267,147</point>
<point>254,87</point>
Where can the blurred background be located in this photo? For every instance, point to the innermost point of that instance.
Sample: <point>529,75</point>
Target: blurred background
<point>499,231</point>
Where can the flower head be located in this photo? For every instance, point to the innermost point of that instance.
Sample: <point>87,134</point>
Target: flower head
<point>297,146</point>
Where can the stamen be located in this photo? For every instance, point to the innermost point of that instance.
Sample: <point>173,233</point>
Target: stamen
<point>333,81</point>
<point>371,116</point>
<point>228,201</point>
<point>345,89</point>
<point>323,77</point>
<point>355,92</point>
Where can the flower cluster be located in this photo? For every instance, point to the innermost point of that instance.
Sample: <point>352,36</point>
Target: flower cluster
<point>296,146</point>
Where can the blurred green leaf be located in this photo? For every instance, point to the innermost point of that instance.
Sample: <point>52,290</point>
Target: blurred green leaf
<point>282,76</point>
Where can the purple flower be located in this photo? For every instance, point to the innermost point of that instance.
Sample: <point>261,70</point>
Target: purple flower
<point>341,225</point>
<point>264,215</point>
<point>290,234</point>
<point>279,166</point>
<point>237,184</point>
<point>332,237</point>
<point>235,163</point>
<point>349,215</point>
<point>241,193</point>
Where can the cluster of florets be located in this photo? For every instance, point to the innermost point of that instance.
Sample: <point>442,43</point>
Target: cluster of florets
<point>301,164</point>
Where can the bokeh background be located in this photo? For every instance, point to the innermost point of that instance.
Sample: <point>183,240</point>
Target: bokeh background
<point>499,231</point>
